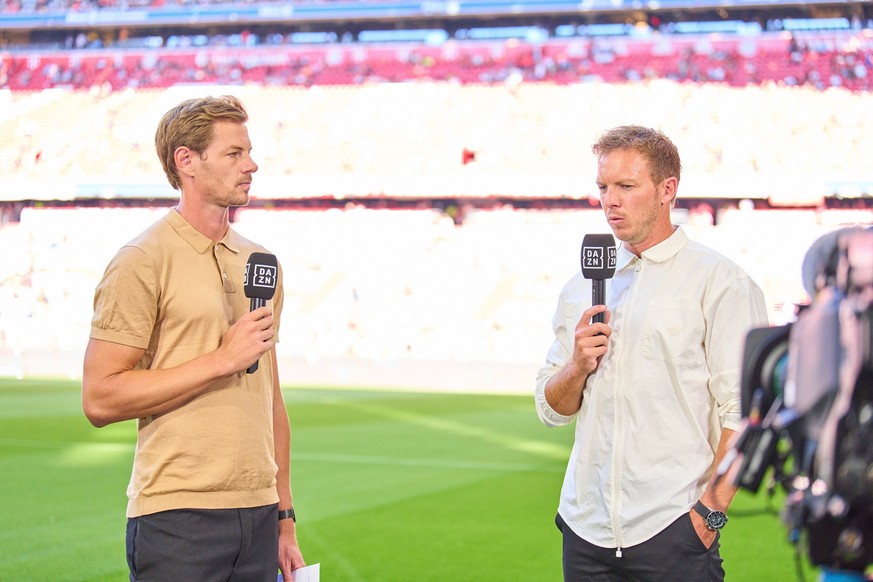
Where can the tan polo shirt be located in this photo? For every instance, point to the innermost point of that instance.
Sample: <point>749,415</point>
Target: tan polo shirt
<point>174,293</point>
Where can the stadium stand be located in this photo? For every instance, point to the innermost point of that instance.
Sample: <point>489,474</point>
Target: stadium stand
<point>782,145</point>
<point>817,59</point>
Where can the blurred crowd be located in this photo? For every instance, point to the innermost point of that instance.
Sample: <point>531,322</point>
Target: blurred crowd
<point>821,62</point>
<point>791,144</point>
<point>482,292</point>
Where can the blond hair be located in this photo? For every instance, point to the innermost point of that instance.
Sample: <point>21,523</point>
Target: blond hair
<point>661,154</point>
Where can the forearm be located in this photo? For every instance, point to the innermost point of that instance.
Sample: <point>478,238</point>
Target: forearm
<point>282,437</point>
<point>282,441</point>
<point>563,391</point>
<point>113,389</point>
<point>290,557</point>
<point>122,394</point>
<point>720,491</point>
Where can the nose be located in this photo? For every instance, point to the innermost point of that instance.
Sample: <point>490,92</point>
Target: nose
<point>251,166</point>
<point>608,197</point>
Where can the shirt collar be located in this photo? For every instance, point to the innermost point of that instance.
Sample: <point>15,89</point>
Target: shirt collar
<point>199,241</point>
<point>663,251</point>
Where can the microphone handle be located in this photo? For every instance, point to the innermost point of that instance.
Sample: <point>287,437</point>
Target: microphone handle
<point>255,303</point>
<point>598,297</point>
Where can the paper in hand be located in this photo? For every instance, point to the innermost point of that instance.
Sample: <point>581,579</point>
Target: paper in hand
<point>308,573</point>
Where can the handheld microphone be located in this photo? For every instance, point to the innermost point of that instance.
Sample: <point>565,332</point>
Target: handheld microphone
<point>262,270</point>
<point>598,264</point>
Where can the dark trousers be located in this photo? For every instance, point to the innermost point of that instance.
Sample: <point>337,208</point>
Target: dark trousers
<point>674,554</point>
<point>204,545</point>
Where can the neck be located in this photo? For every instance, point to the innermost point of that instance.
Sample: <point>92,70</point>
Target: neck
<point>654,239</point>
<point>210,220</point>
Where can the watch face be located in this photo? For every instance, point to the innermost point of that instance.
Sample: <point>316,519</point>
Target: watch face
<point>716,520</point>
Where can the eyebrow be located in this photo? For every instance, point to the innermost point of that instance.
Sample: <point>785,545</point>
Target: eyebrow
<point>618,181</point>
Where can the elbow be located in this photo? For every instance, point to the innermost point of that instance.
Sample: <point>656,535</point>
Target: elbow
<point>97,422</point>
<point>94,408</point>
<point>546,422</point>
<point>95,415</point>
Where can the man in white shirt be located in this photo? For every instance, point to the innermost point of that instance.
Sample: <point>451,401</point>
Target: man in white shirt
<point>654,389</point>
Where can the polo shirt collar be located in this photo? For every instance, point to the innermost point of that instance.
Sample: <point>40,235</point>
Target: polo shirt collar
<point>199,241</point>
<point>663,251</point>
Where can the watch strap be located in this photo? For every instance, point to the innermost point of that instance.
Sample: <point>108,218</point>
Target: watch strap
<point>701,509</point>
<point>288,514</point>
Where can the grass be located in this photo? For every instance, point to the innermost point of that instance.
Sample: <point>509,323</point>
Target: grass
<point>388,486</point>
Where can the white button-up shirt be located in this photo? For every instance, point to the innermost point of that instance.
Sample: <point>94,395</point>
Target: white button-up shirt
<point>652,413</point>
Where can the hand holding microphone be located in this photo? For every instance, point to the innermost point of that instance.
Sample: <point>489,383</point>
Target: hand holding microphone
<point>262,272</point>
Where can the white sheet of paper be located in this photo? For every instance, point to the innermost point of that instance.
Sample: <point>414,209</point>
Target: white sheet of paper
<point>308,573</point>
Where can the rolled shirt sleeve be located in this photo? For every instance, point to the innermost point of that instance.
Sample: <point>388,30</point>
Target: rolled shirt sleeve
<point>738,309</point>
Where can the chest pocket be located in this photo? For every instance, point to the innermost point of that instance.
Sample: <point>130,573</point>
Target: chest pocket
<point>673,332</point>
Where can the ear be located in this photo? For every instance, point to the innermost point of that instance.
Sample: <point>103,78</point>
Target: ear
<point>669,187</point>
<point>184,161</point>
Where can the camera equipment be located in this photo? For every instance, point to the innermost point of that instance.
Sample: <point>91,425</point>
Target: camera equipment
<point>807,406</point>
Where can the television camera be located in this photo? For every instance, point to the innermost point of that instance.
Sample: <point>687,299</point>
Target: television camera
<point>807,407</point>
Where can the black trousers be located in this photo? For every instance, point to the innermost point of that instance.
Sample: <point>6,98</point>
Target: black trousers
<point>204,545</point>
<point>674,554</point>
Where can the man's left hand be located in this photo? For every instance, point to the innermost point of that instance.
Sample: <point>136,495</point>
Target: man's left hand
<point>706,535</point>
<point>290,557</point>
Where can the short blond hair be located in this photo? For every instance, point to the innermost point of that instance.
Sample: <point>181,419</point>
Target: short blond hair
<point>661,154</point>
<point>190,124</point>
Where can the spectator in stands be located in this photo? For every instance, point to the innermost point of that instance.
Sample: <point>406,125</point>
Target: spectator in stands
<point>654,389</point>
<point>171,340</point>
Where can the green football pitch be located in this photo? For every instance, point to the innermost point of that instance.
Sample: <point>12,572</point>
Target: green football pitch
<point>388,486</point>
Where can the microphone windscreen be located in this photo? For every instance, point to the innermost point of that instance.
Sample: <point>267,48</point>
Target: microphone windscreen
<point>262,271</point>
<point>598,256</point>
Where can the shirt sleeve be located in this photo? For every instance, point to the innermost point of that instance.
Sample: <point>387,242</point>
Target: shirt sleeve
<point>558,356</point>
<point>738,309</point>
<point>125,302</point>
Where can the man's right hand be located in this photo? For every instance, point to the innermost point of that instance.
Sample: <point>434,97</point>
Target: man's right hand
<point>590,341</point>
<point>564,390</point>
<point>248,339</point>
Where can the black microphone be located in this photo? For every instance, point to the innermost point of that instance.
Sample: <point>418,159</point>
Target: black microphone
<point>262,270</point>
<point>598,264</point>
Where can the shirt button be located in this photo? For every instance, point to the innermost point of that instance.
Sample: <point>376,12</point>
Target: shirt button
<point>224,275</point>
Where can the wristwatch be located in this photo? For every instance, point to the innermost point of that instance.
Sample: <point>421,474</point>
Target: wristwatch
<point>288,514</point>
<point>714,519</point>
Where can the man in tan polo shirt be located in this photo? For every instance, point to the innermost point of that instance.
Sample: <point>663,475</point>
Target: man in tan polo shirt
<point>171,340</point>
